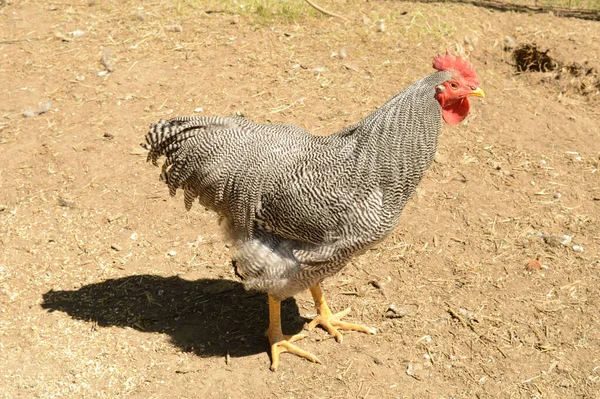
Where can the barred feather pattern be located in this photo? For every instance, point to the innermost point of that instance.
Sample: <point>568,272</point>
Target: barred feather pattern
<point>299,206</point>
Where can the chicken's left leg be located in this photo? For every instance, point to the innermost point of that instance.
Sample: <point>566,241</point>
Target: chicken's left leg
<point>329,321</point>
<point>279,342</point>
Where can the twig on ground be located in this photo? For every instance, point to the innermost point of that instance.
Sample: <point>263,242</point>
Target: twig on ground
<point>324,11</point>
<point>12,41</point>
<point>456,315</point>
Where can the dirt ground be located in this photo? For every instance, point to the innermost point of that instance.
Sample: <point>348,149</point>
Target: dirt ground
<point>109,288</point>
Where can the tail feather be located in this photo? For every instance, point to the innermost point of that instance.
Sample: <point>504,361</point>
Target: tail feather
<point>174,138</point>
<point>223,161</point>
<point>166,136</point>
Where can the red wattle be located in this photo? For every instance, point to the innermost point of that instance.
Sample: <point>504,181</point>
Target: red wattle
<point>456,111</point>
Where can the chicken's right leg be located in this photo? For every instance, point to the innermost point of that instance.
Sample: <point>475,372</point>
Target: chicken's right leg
<point>329,321</point>
<point>279,342</point>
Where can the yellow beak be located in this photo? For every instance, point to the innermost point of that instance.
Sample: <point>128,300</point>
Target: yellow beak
<point>477,93</point>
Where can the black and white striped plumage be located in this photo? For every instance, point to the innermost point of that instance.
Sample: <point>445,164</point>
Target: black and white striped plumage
<point>299,206</point>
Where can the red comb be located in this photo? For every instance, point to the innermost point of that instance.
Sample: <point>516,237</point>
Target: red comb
<point>448,62</point>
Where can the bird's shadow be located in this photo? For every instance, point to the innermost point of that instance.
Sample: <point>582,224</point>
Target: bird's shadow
<point>209,317</point>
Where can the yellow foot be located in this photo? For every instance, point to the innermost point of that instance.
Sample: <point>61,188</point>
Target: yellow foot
<point>329,321</point>
<point>283,343</point>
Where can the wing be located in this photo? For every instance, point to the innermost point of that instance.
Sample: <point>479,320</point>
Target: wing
<point>319,203</point>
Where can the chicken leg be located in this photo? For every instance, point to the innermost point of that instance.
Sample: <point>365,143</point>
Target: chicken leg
<point>329,321</point>
<point>282,343</point>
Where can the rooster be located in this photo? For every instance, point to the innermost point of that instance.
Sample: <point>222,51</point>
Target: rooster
<point>299,206</point>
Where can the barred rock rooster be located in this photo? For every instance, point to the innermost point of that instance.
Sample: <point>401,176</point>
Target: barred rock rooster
<point>299,206</point>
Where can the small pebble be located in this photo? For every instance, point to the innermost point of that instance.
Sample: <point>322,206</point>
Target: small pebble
<point>65,203</point>
<point>134,236</point>
<point>45,107</point>
<point>140,16</point>
<point>116,247</point>
<point>467,314</point>
<point>174,28</point>
<point>61,36</point>
<point>410,369</point>
<point>440,159</point>
<point>557,196</point>
<point>556,240</point>
<point>77,33</point>
<point>172,253</point>
<point>343,53</point>
<point>577,248</point>
<point>108,136</point>
<point>533,265</point>
<point>105,60</point>
<point>426,338</point>
<point>199,109</point>
<point>509,43</point>
<point>396,312</point>
<point>377,284</point>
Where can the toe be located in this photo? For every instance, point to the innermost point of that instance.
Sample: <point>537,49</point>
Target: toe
<point>313,323</point>
<point>285,346</point>
<point>341,314</point>
<point>329,327</point>
<point>332,322</point>
<point>294,338</point>
<point>354,327</point>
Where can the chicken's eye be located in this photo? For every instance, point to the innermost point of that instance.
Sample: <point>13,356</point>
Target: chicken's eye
<point>454,85</point>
